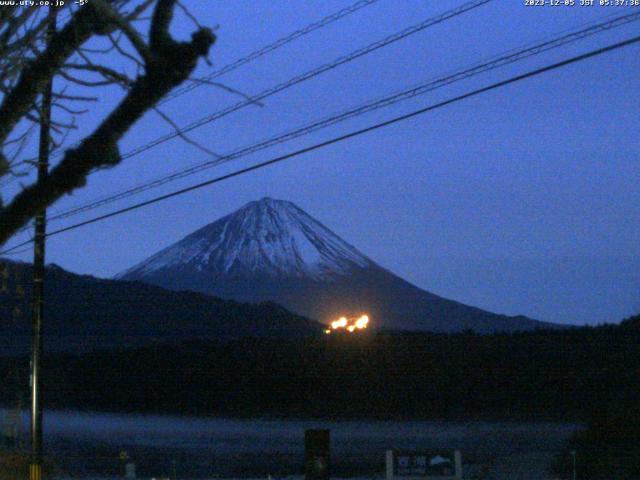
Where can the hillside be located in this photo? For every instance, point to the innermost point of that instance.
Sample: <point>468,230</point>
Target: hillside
<point>84,313</point>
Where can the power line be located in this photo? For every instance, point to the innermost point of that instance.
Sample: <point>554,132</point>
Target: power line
<point>271,47</point>
<point>449,14</point>
<point>317,146</point>
<point>323,22</point>
<point>372,47</point>
<point>476,69</point>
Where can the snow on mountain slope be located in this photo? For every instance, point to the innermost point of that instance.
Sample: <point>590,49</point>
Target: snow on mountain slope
<point>266,238</point>
<point>271,250</point>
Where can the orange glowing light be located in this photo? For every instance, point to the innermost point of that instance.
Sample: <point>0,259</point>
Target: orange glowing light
<point>350,325</point>
<point>362,322</point>
<point>340,323</point>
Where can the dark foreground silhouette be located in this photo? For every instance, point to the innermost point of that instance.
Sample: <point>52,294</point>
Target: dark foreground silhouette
<point>590,375</point>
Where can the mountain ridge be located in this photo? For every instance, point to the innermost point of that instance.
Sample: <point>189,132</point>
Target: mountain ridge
<point>85,313</point>
<point>272,250</point>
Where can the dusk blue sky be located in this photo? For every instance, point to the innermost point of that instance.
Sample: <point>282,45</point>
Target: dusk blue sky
<point>524,200</point>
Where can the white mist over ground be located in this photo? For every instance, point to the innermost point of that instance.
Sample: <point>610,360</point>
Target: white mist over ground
<point>87,445</point>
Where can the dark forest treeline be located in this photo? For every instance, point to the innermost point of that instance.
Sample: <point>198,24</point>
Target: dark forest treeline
<point>609,448</point>
<point>590,375</point>
<point>535,375</point>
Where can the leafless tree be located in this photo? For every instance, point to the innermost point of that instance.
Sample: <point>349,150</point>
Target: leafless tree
<point>30,57</point>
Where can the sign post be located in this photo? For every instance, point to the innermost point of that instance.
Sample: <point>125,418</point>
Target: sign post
<point>424,465</point>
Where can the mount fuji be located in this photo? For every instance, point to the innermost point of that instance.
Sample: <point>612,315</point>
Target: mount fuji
<point>271,250</point>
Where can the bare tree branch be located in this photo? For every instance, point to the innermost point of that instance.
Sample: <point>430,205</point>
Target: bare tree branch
<point>123,24</point>
<point>184,136</point>
<point>105,72</point>
<point>167,63</point>
<point>33,78</point>
<point>228,89</point>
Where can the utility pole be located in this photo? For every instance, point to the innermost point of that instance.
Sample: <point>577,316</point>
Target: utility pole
<point>35,468</point>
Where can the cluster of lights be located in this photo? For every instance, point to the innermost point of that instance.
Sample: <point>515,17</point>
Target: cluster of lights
<point>343,323</point>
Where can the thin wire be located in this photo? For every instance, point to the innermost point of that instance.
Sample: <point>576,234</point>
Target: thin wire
<point>329,19</point>
<point>347,136</point>
<point>304,77</point>
<point>271,47</point>
<point>310,74</point>
<point>421,89</point>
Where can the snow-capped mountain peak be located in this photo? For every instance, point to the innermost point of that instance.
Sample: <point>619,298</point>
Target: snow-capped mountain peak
<point>271,250</point>
<point>266,238</point>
